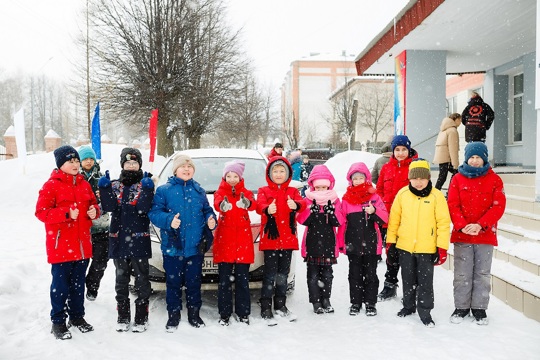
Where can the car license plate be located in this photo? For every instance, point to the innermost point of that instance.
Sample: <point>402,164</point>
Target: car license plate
<point>209,267</point>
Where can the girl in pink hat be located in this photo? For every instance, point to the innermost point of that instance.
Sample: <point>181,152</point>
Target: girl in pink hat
<point>233,243</point>
<point>319,246</point>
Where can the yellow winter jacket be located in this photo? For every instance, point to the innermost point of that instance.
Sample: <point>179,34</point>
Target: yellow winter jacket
<point>419,224</point>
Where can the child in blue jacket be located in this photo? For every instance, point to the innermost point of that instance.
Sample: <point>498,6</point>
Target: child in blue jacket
<point>182,212</point>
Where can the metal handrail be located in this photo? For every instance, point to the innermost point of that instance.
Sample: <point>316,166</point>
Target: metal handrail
<point>423,141</point>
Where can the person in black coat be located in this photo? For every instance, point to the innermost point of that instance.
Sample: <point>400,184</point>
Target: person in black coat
<point>477,118</point>
<point>129,199</point>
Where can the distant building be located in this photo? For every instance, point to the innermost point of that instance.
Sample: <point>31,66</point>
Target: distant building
<point>305,108</point>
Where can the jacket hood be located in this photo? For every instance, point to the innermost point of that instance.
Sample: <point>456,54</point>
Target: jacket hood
<point>447,123</point>
<point>321,172</point>
<point>272,161</point>
<point>361,168</point>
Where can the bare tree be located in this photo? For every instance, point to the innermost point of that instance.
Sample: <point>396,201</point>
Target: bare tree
<point>11,98</point>
<point>375,109</point>
<point>174,55</point>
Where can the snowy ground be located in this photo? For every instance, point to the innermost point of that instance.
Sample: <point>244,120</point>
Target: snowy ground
<point>25,324</point>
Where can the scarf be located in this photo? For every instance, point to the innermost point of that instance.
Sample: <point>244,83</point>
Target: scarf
<point>473,172</point>
<point>130,177</point>
<point>322,197</point>
<point>359,194</point>
<point>422,193</point>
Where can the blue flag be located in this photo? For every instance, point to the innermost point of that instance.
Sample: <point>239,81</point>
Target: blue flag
<point>96,133</point>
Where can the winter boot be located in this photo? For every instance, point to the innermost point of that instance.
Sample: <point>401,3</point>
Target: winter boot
<point>60,331</point>
<point>91,295</point>
<point>355,309</point>
<point>428,321</point>
<point>124,316</point>
<point>480,316</point>
<point>244,319</point>
<point>389,291</point>
<point>317,308</point>
<point>406,312</point>
<point>141,317</point>
<point>371,310</point>
<point>281,308</point>
<point>224,320</point>
<point>174,320</point>
<point>266,312</point>
<point>80,324</point>
<point>327,306</point>
<point>458,315</point>
<point>194,319</point>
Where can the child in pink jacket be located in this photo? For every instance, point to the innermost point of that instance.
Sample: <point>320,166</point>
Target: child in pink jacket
<point>319,246</point>
<point>364,213</point>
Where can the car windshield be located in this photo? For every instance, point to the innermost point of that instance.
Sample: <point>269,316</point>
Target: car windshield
<point>209,171</point>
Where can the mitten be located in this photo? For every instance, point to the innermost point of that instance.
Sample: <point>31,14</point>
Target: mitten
<point>225,205</point>
<point>329,208</point>
<point>270,229</point>
<point>314,207</point>
<point>105,181</point>
<point>243,203</point>
<point>391,254</point>
<point>439,257</point>
<point>147,182</point>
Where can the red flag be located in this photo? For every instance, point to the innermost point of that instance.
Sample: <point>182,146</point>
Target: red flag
<point>152,133</point>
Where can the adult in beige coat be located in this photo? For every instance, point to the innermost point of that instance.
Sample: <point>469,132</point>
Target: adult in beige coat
<point>447,148</point>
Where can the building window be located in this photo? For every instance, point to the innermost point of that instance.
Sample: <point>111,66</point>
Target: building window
<point>516,108</point>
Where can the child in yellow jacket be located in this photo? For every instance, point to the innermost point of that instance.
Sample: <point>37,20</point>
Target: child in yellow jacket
<point>419,227</point>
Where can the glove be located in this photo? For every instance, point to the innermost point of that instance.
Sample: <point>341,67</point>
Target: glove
<point>147,182</point>
<point>270,229</point>
<point>329,209</point>
<point>225,205</point>
<point>314,207</point>
<point>392,257</point>
<point>104,181</point>
<point>439,257</point>
<point>243,203</point>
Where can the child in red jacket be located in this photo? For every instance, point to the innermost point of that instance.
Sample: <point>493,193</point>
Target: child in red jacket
<point>278,204</point>
<point>67,206</point>
<point>233,243</point>
<point>319,246</point>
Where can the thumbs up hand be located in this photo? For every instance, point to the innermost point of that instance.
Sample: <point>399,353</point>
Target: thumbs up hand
<point>225,205</point>
<point>91,212</point>
<point>329,208</point>
<point>291,203</point>
<point>73,211</point>
<point>314,207</point>
<point>105,181</point>
<point>272,208</point>
<point>370,209</point>
<point>147,182</point>
<point>243,203</point>
<point>175,223</point>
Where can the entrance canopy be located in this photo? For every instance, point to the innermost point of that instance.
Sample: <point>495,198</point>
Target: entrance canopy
<point>477,35</point>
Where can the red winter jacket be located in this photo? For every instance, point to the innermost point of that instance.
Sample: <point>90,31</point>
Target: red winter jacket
<point>66,239</point>
<point>393,177</point>
<point>287,239</point>
<point>233,240</point>
<point>478,200</point>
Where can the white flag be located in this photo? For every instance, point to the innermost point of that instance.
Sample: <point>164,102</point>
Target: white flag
<point>20,139</point>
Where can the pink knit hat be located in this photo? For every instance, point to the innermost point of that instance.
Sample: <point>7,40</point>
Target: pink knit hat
<point>235,166</point>
<point>321,182</point>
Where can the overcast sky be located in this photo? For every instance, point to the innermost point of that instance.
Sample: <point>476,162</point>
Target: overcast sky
<point>36,35</point>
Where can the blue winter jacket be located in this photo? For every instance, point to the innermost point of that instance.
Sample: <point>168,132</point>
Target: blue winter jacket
<point>129,235</point>
<point>188,199</point>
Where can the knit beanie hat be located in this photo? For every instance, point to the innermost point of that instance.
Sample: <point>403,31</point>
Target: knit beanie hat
<point>65,153</point>
<point>129,154</point>
<point>476,148</point>
<point>279,163</point>
<point>419,168</point>
<point>321,182</point>
<point>235,166</point>
<point>180,160</point>
<point>86,152</point>
<point>401,140</point>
